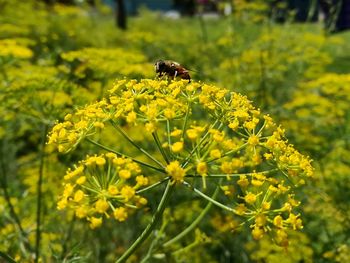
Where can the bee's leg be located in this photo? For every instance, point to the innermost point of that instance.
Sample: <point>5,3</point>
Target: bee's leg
<point>160,75</point>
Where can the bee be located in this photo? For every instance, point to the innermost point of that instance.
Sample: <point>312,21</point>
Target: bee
<point>171,69</point>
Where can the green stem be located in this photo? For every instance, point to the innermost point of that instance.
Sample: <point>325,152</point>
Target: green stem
<point>121,154</point>
<point>237,174</point>
<point>210,199</point>
<point>262,128</point>
<point>186,120</point>
<point>68,237</point>
<point>287,176</point>
<point>122,132</point>
<point>312,10</point>
<point>186,249</point>
<point>241,134</point>
<point>188,158</point>
<point>40,192</point>
<point>229,152</point>
<point>158,236</point>
<point>203,27</point>
<point>148,230</point>
<point>168,132</point>
<point>3,71</point>
<point>152,186</point>
<point>13,213</point>
<point>7,258</point>
<point>195,222</point>
<point>159,145</point>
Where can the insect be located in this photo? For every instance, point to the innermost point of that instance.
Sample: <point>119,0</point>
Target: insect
<point>171,69</point>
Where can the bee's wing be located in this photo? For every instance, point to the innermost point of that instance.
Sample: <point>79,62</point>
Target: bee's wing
<point>174,63</point>
<point>187,69</point>
<point>192,70</point>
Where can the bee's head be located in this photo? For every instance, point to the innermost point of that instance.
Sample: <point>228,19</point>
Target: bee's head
<point>159,66</point>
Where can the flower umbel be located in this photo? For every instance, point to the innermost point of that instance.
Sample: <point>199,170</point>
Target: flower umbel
<point>191,130</point>
<point>108,188</point>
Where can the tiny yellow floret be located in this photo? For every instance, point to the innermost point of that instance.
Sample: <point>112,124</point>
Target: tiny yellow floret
<point>127,192</point>
<point>257,233</point>
<point>142,180</point>
<point>62,204</point>
<point>100,160</point>
<point>253,140</point>
<point>78,196</point>
<point>202,168</point>
<point>278,221</point>
<point>192,134</point>
<point>95,222</point>
<point>176,172</point>
<point>215,154</point>
<point>177,147</point>
<point>250,198</point>
<point>113,190</point>
<point>101,206</point>
<point>120,214</point>
<point>81,180</point>
<point>81,212</point>
<point>124,174</point>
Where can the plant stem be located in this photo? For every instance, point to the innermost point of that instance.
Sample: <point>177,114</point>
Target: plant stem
<point>168,132</point>
<point>68,237</point>
<point>188,158</point>
<point>152,186</point>
<point>158,236</point>
<point>236,174</point>
<point>122,132</point>
<point>159,145</point>
<point>203,27</point>
<point>121,154</point>
<point>39,190</point>
<point>210,199</point>
<point>186,120</point>
<point>148,230</point>
<point>229,152</point>
<point>13,213</point>
<point>7,258</point>
<point>195,222</point>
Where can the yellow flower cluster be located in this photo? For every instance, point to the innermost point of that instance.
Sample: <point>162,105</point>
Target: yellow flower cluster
<point>251,11</point>
<point>175,171</point>
<point>102,186</point>
<point>321,107</point>
<point>15,48</point>
<point>66,135</point>
<point>112,62</point>
<point>9,29</point>
<point>316,98</point>
<point>274,55</point>
<point>202,131</point>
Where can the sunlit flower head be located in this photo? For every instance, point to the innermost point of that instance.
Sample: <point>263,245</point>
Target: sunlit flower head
<point>189,130</point>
